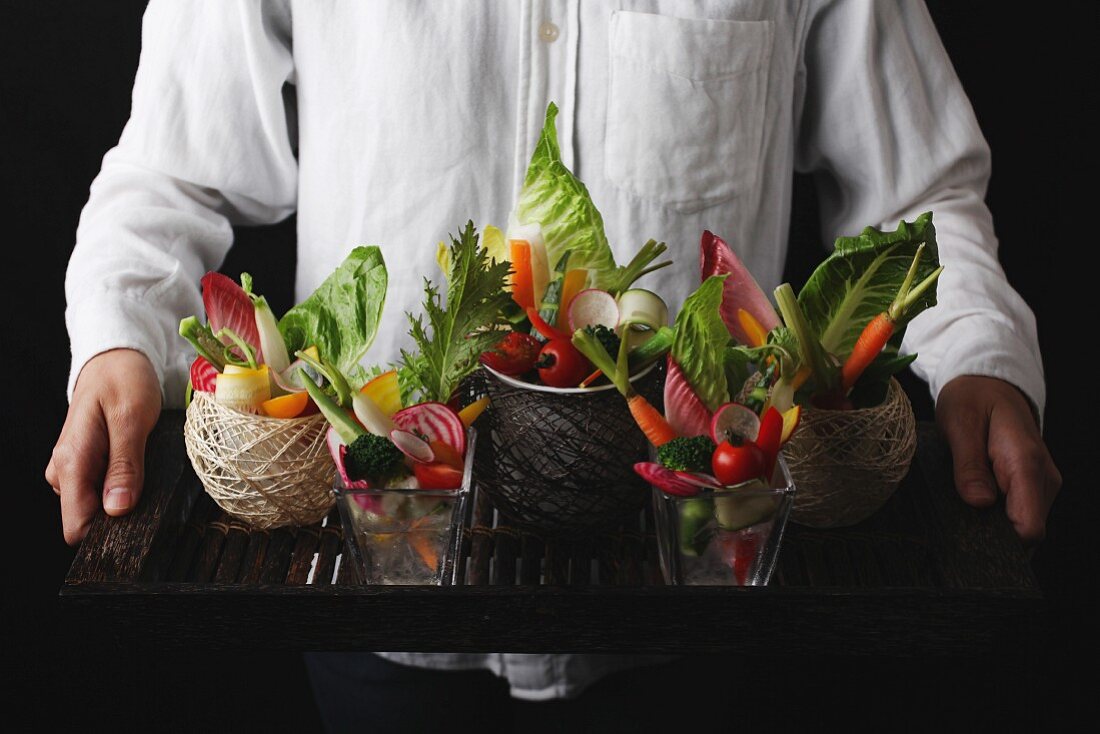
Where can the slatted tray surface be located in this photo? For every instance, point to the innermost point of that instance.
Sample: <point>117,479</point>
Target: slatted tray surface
<point>925,572</point>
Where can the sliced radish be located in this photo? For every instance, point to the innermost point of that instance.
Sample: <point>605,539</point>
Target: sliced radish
<point>593,307</point>
<point>734,419</point>
<point>433,422</point>
<point>412,446</point>
<point>203,375</point>
<point>665,480</point>
<point>686,413</point>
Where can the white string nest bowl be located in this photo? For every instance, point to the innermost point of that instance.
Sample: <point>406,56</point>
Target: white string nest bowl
<point>268,472</point>
<point>847,463</point>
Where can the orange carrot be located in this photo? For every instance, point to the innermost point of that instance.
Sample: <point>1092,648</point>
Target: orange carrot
<point>870,343</point>
<point>591,378</point>
<point>523,284</point>
<point>878,331</point>
<point>422,544</point>
<point>650,420</point>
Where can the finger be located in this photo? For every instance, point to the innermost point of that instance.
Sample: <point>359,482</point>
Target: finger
<point>967,432</point>
<point>52,477</point>
<point>80,460</point>
<point>125,462</point>
<point>1025,471</point>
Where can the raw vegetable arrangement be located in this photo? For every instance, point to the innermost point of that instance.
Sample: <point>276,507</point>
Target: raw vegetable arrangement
<point>244,353</point>
<point>833,346</point>
<point>564,281</point>
<point>401,429</point>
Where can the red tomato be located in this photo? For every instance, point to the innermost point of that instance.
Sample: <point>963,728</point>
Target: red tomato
<point>562,365</point>
<point>736,464</point>
<point>514,355</point>
<point>437,476</point>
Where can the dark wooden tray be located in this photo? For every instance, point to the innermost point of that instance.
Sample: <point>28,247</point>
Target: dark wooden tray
<point>925,574</point>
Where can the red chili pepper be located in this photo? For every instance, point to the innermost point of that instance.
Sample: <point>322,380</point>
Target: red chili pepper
<point>544,328</point>
<point>769,438</point>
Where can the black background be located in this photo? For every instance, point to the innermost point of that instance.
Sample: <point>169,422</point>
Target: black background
<point>64,97</point>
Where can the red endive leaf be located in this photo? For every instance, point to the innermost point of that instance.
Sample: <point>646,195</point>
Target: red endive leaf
<point>665,479</point>
<point>741,289</point>
<point>684,411</point>
<point>228,306</point>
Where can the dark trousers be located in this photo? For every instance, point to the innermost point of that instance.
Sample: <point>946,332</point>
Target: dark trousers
<point>361,692</point>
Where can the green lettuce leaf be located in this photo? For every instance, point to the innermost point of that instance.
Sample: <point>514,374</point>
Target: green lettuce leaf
<point>341,317</point>
<point>860,279</point>
<point>559,203</point>
<point>699,346</point>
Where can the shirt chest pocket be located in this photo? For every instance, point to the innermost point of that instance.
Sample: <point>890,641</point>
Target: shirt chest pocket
<point>686,107</point>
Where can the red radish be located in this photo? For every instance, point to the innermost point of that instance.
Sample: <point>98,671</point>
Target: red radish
<point>412,446</point>
<point>229,307</point>
<point>593,307</point>
<point>684,411</point>
<point>740,290</point>
<point>666,480</point>
<point>735,419</point>
<point>203,375</point>
<point>433,422</point>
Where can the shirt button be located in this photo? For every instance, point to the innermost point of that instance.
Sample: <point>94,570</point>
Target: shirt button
<point>548,32</point>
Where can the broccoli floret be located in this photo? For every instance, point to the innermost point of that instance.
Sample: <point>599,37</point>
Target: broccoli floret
<point>373,457</point>
<point>608,338</point>
<point>687,454</point>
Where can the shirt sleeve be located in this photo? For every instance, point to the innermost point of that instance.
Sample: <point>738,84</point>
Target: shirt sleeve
<point>209,144</point>
<point>889,133</point>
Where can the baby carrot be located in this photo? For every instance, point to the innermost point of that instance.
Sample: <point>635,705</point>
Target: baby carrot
<point>878,331</point>
<point>523,285</point>
<point>650,420</point>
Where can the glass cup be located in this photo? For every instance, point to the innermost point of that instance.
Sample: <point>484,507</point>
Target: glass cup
<point>724,537</point>
<point>406,536</point>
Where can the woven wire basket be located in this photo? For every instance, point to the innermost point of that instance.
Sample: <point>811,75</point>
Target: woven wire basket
<point>562,462</point>
<point>847,463</point>
<point>268,472</point>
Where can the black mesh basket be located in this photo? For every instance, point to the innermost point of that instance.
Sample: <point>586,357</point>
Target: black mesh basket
<point>563,462</point>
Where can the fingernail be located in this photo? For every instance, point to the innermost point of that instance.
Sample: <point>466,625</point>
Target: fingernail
<point>980,492</point>
<point>118,498</point>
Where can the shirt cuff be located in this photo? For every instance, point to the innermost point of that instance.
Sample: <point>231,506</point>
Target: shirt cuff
<point>993,350</point>
<point>100,325</point>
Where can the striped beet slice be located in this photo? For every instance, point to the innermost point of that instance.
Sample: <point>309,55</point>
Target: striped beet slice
<point>665,480</point>
<point>203,375</point>
<point>433,422</point>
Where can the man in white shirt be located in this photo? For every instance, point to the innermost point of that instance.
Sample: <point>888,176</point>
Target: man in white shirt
<point>393,123</point>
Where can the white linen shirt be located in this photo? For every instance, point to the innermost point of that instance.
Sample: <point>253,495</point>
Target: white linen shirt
<point>392,123</point>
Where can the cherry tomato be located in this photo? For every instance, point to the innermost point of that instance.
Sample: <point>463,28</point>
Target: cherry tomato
<point>514,355</point>
<point>561,364</point>
<point>437,476</point>
<point>735,464</point>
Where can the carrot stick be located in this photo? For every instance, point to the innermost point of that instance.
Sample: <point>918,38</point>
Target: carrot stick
<point>868,346</point>
<point>423,545</point>
<point>650,420</point>
<point>523,284</point>
<point>591,378</point>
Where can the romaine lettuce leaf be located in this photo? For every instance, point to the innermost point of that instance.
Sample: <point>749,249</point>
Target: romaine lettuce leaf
<point>341,316</point>
<point>558,202</point>
<point>860,279</point>
<point>699,347</point>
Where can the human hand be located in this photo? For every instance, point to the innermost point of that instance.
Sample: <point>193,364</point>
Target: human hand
<point>995,443</point>
<point>101,450</point>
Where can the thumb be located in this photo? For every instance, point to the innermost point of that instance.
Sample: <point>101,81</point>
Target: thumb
<point>967,433</point>
<point>125,466</point>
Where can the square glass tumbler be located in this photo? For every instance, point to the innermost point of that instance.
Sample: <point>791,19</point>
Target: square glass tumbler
<point>723,537</point>
<point>406,536</point>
